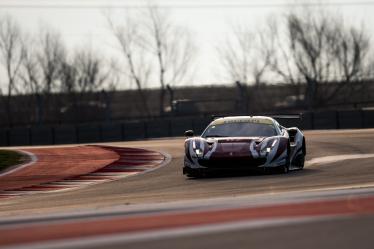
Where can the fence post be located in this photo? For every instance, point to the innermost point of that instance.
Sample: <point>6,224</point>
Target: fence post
<point>30,135</point>
<point>100,132</point>
<point>77,133</point>
<point>170,129</point>
<point>53,130</point>
<point>362,116</point>
<point>123,137</point>
<point>145,129</point>
<point>7,134</point>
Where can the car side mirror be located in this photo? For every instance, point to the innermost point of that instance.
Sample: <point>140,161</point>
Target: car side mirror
<point>188,133</point>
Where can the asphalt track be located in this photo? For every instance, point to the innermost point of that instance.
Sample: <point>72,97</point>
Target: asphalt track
<point>341,165</point>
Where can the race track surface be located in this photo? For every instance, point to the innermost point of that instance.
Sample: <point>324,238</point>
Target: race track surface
<point>339,162</point>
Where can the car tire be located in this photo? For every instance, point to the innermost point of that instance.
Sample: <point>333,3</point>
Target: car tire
<point>302,159</point>
<point>195,174</point>
<point>284,169</point>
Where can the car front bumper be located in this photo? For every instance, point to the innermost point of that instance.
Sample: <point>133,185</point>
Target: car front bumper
<point>228,164</point>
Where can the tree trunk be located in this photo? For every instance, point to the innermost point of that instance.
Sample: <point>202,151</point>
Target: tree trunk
<point>162,100</point>
<point>310,94</point>
<point>144,102</point>
<point>8,110</point>
<point>8,104</point>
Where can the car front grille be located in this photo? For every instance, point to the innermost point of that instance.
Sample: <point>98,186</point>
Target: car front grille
<point>232,163</point>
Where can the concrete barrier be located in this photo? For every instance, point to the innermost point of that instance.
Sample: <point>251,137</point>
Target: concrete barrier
<point>368,118</point>
<point>325,120</point>
<point>19,136</point>
<point>307,121</point>
<point>290,122</point>
<point>179,126</point>
<point>112,132</point>
<point>350,119</point>
<point>89,133</point>
<point>4,137</point>
<point>158,128</point>
<point>135,130</point>
<point>42,136</point>
<point>200,124</point>
<point>65,134</point>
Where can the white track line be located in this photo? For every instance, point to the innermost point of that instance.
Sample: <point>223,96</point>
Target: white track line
<point>336,158</point>
<point>106,240</point>
<point>178,207</point>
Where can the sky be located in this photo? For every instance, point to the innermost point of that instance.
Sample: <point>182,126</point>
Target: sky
<point>82,23</point>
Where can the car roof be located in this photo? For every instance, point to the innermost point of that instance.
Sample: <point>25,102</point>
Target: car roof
<point>244,119</point>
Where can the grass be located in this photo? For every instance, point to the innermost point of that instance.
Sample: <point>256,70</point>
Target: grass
<point>9,158</point>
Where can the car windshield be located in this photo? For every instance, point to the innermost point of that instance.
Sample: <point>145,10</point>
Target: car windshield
<point>240,129</point>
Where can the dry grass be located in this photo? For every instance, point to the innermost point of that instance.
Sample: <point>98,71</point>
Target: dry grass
<point>9,158</point>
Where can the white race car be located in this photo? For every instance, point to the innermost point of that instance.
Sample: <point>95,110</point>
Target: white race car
<point>244,142</point>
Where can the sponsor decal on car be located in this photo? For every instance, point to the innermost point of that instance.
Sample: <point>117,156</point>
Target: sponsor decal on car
<point>243,120</point>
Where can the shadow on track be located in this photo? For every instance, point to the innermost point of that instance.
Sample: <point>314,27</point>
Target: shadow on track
<point>251,173</point>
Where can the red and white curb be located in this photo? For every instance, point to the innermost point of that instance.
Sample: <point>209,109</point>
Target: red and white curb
<point>132,161</point>
<point>98,230</point>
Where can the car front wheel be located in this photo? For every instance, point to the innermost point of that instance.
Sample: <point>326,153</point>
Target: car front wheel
<point>284,169</point>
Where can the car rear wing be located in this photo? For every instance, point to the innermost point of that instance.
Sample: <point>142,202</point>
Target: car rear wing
<point>287,116</point>
<point>275,116</point>
<point>214,117</point>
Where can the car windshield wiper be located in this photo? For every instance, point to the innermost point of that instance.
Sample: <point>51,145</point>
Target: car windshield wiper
<point>215,136</point>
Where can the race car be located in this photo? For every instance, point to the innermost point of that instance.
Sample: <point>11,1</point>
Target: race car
<point>244,143</point>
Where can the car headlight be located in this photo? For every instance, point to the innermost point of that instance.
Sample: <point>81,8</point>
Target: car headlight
<point>268,148</point>
<point>199,152</point>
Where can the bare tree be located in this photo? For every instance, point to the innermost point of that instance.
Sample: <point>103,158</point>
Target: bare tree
<point>172,47</point>
<point>41,67</point>
<point>281,62</point>
<point>244,56</point>
<point>351,48</point>
<point>110,88</point>
<point>137,67</point>
<point>311,53</point>
<point>12,54</point>
<point>30,67</point>
<point>69,77</point>
<point>31,76</point>
<point>150,37</point>
<point>47,67</point>
<point>236,55</point>
<point>51,55</point>
<point>321,50</point>
<point>84,73</point>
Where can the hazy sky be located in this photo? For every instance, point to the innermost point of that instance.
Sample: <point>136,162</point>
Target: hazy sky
<point>81,22</point>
